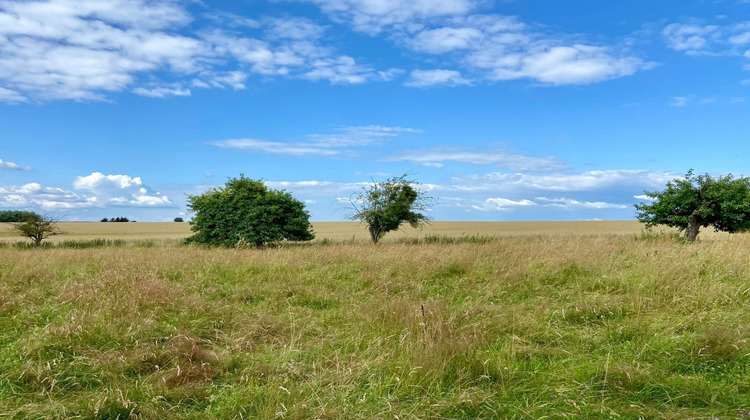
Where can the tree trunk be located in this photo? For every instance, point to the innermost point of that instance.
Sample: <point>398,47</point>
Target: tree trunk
<point>692,228</point>
<point>374,236</point>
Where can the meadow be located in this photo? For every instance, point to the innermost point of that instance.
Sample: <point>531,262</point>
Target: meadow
<point>493,320</point>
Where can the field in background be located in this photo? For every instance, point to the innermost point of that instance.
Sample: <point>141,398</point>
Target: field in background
<point>342,231</point>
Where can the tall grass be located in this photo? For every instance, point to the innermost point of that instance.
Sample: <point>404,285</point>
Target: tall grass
<point>537,327</point>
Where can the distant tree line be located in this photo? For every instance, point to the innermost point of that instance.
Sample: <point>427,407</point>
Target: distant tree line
<point>116,219</point>
<point>18,216</point>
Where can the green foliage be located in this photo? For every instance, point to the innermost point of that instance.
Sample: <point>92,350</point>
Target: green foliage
<point>37,228</point>
<point>384,206</point>
<point>179,219</point>
<point>245,211</point>
<point>116,219</point>
<point>700,201</point>
<point>16,216</point>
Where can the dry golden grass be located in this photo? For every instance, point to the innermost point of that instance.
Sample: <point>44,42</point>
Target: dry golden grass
<point>343,231</point>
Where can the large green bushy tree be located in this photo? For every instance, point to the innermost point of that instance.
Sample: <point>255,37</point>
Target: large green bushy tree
<point>384,206</point>
<point>245,211</point>
<point>697,201</point>
<point>12,216</point>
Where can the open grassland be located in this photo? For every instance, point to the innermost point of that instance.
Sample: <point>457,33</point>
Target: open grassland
<point>535,326</point>
<point>339,231</point>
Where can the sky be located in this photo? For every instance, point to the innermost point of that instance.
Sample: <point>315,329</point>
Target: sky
<point>503,110</point>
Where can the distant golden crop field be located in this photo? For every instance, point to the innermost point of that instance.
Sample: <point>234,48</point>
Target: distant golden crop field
<point>339,231</point>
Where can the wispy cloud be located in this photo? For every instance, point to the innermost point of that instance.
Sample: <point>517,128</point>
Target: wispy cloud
<point>570,204</point>
<point>699,39</point>
<point>333,144</point>
<point>679,101</point>
<point>13,166</point>
<point>562,182</point>
<point>436,157</point>
<point>439,77</point>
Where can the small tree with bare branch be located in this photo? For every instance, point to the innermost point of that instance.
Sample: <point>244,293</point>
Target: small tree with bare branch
<point>384,206</point>
<point>38,228</point>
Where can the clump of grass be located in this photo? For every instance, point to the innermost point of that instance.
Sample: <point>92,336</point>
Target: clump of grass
<point>650,235</point>
<point>447,239</point>
<point>91,243</point>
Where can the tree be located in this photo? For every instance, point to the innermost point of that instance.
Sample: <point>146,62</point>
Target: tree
<point>17,216</point>
<point>245,211</point>
<point>384,206</point>
<point>179,219</point>
<point>37,228</point>
<point>700,201</point>
<point>105,220</point>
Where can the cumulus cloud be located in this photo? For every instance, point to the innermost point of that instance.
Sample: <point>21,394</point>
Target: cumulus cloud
<point>13,166</point>
<point>95,190</point>
<point>438,77</point>
<point>437,156</point>
<point>503,48</point>
<point>496,47</point>
<point>333,144</point>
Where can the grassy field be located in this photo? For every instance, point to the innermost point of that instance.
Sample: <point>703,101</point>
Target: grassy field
<point>528,321</point>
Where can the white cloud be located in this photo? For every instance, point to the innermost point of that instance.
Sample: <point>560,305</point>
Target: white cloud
<point>679,101</point>
<point>372,16</point>
<point>556,65</point>
<point>569,204</point>
<point>514,162</point>
<point>11,96</point>
<point>339,70</point>
<point>643,197</point>
<point>502,204</point>
<point>688,37</point>
<point>161,92</point>
<point>294,28</point>
<point>333,144</point>
<point>85,49</point>
<point>695,38</point>
<point>495,46</point>
<point>438,77</point>
<point>442,40</point>
<point>574,182</point>
<point>13,166</point>
<point>121,190</point>
<point>503,48</point>
<point>276,148</point>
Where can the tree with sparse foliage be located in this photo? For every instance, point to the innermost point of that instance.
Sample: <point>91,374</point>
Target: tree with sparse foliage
<point>245,211</point>
<point>178,220</point>
<point>697,201</point>
<point>384,206</point>
<point>37,228</point>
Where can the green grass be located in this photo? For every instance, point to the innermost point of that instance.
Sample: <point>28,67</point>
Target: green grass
<point>443,327</point>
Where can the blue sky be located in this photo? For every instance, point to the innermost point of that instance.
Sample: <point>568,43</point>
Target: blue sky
<point>503,110</point>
